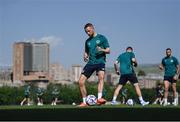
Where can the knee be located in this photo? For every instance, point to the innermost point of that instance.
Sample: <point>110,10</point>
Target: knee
<point>81,83</point>
<point>166,89</point>
<point>101,78</point>
<point>174,89</point>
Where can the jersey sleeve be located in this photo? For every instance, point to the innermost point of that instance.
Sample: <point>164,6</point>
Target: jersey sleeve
<point>118,59</point>
<point>176,61</point>
<point>162,62</point>
<point>86,47</point>
<point>105,42</point>
<point>132,55</point>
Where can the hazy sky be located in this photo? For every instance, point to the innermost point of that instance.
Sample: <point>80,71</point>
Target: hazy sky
<point>149,26</point>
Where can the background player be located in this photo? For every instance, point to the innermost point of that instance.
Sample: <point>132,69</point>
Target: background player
<point>170,65</point>
<point>127,61</point>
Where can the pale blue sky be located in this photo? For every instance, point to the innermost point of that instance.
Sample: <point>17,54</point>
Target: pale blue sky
<point>150,26</point>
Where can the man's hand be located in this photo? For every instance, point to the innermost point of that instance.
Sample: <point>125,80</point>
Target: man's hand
<point>99,48</point>
<point>86,57</point>
<point>161,67</point>
<point>116,67</point>
<point>117,72</point>
<point>134,62</point>
<point>175,76</point>
<point>107,50</point>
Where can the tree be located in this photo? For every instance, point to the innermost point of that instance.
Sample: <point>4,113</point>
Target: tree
<point>141,73</point>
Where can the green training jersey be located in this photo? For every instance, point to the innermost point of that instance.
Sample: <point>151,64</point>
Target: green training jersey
<point>27,90</point>
<point>125,60</point>
<point>170,64</point>
<point>39,92</point>
<point>95,56</point>
<point>55,92</point>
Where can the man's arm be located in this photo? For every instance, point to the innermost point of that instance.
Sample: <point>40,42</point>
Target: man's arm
<point>107,50</point>
<point>161,67</point>
<point>86,53</point>
<point>177,69</point>
<point>116,67</point>
<point>176,76</point>
<point>86,57</point>
<point>134,62</point>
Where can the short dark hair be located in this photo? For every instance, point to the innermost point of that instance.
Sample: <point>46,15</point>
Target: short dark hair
<point>129,48</point>
<point>88,25</point>
<point>168,49</point>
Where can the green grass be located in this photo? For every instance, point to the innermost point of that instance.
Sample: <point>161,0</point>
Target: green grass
<point>63,106</point>
<point>105,112</point>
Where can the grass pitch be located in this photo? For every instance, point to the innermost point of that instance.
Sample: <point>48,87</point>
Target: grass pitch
<point>105,112</point>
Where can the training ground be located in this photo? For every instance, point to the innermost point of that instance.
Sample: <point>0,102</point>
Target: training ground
<point>103,113</point>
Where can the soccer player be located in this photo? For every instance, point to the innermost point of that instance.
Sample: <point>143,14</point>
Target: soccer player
<point>159,94</point>
<point>39,94</point>
<point>96,48</point>
<point>124,95</point>
<point>127,61</point>
<point>170,65</point>
<point>26,94</point>
<point>55,93</point>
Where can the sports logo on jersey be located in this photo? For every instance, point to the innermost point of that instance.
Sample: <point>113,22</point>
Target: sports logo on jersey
<point>98,41</point>
<point>171,61</point>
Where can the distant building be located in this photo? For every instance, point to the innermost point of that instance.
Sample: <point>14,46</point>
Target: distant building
<point>76,72</point>
<point>40,57</point>
<point>112,78</point>
<point>58,73</point>
<point>149,81</point>
<point>5,73</point>
<point>30,61</point>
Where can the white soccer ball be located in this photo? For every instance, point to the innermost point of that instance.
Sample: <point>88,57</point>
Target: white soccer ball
<point>130,102</point>
<point>91,100</point>
<point>73,103</point>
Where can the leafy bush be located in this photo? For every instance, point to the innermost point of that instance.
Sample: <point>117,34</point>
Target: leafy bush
<point>69,93</point>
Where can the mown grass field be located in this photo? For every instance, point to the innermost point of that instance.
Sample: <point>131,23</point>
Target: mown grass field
<point>106,112</point>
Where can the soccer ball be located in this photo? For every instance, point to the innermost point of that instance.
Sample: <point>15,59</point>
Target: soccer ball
<point>73,103</point>
<point>91,100</point>
<point>130,102</point>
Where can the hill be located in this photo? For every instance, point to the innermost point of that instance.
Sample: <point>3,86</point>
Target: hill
<point>147,68</point>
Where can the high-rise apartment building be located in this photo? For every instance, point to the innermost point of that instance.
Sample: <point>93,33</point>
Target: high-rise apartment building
<point>30,61</point>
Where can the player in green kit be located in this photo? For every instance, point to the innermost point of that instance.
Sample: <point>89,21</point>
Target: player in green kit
<point>170,65</point>
<point>26,94</point>
<point>127,61</point>
<point>55,94</point>
<point>39,93</point>
<point>96,48</point>
<point>124,95</point>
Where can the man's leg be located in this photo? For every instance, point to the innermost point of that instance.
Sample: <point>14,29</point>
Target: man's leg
<point>23,101</point>
<point>155,102</point>
<point>82,87</point>
<point>138,92</point>
<point>41,100</point>
<point>116,93</point>
<point>101,83</point>
<point>28,101</point>
<point>100,100</point>
<point>38,99</point>
<point>174,94</point>
<point>166,87</point>
<point>55,102</point>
